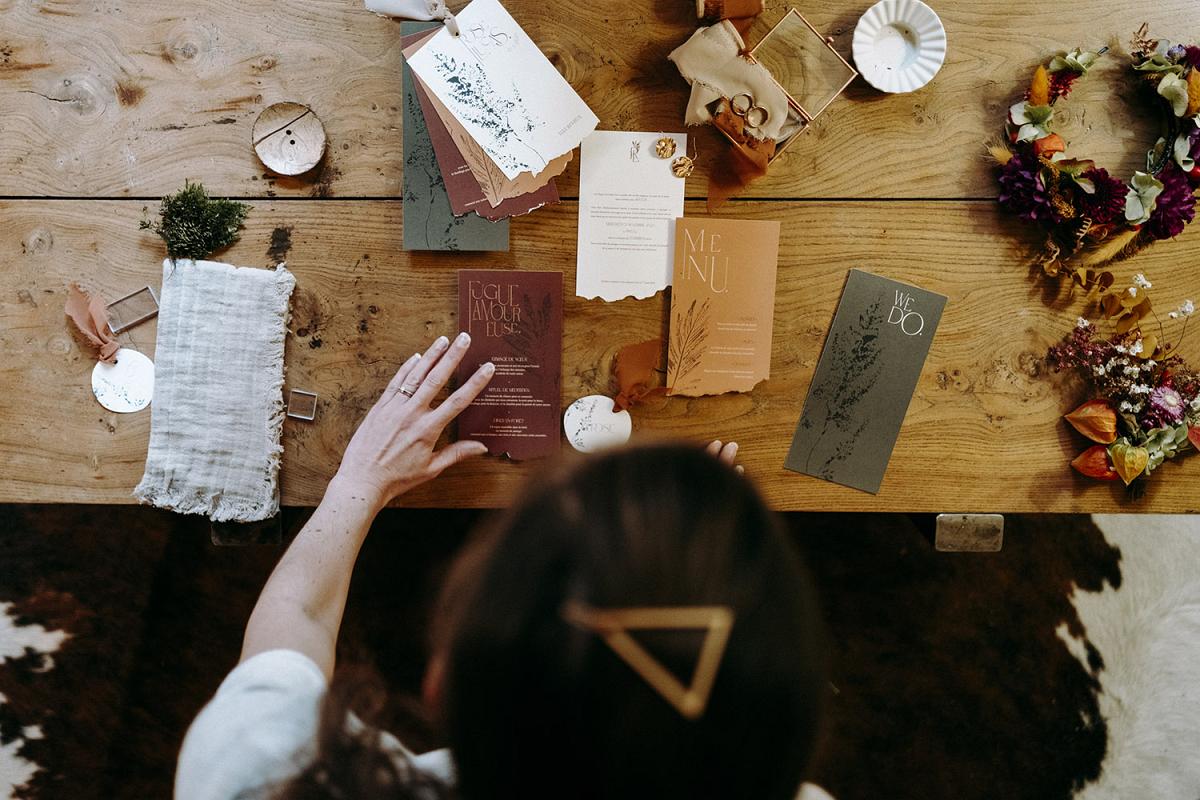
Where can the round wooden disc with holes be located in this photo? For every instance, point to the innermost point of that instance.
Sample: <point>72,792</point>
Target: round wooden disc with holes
<point>289,138</point>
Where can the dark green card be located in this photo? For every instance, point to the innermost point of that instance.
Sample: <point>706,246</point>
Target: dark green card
<point>864,381</point>
<point>429,224</point>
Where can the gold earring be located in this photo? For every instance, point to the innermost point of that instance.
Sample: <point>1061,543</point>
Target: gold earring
<point>685,165</point>
<point>664,147</point>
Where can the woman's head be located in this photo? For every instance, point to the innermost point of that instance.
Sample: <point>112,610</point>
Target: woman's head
<point>536,705</point>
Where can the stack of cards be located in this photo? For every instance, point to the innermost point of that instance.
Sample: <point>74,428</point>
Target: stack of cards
<point>488,125</point>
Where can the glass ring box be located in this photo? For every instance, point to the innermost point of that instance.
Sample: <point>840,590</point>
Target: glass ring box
<point>808,69</point>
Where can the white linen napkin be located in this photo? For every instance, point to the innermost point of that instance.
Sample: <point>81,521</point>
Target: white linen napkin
<point>218,395</point>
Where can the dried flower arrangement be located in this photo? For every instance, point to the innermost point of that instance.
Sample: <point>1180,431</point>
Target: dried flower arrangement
<point>195,226</point>
<point>1146,399</point>
<point>1090,217</point>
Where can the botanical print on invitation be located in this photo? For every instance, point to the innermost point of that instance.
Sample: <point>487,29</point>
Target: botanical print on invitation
<point>503,90</point>
<point>864,381</point>
<point>722,305</point>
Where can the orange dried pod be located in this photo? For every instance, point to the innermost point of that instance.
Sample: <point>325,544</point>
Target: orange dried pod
<point>1193,107</point>
<point>1096,420</point>
<point>1039,90</point>
<point>1093,463</point>
<point>1129,461</point>
<point>1194,437</point>
<point>1048,145</point>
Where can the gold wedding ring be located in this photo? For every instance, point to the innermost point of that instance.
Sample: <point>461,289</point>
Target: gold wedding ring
<point>742,105</point>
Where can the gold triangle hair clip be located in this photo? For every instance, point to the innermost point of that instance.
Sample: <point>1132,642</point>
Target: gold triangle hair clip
<point>613,626</point>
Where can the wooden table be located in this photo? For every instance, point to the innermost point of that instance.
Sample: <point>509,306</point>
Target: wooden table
<point>106,106</point>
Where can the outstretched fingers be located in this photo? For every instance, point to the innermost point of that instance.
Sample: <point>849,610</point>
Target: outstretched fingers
<point>440,374</point>
<point>456,403</point>
<point>453,454</point>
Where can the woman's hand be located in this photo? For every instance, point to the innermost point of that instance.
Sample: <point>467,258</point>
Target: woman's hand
<point>392,450</point>
<point>726,454</point>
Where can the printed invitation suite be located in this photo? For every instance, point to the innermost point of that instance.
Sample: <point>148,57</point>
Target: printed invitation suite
<point>722,305</point>
<point>864,381</point>
<point>429,222</point>
<point>466,193</point>
<point>628,203</point>
<point>515,321</point>
<point>504,91</point>
<point>449,135</point>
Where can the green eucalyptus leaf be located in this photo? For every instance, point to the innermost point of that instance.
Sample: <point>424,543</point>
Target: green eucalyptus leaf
<point>1074,166</point>
<point>1086,184</point>
<point>1034,121</point>
<point>1183,153</point>
<point>1075,61</point>
<point>1159,63</point>
<point>1143,194</point>
<point>1175,90</point>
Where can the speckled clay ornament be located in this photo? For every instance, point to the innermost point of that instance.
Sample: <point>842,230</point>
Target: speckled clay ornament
<point>127,385</point>
<point>591,424</point>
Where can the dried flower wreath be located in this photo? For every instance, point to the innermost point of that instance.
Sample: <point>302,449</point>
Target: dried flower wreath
<point>1090,217</point>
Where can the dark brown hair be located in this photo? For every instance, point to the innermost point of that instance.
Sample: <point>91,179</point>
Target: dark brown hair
<point>536,707</point>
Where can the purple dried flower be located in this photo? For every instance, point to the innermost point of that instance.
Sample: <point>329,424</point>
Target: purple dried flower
<point>1022,189</point>
<point>1167,405</point>
<point>1177,52</point>
<point>1176,206</point>
<point>1108,202</point>
<point>1192,56</point>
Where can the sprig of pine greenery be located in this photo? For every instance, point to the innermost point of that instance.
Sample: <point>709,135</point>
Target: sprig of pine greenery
<point>195,226</point>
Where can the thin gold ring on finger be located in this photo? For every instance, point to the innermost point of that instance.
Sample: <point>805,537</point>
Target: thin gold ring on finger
<point>407,392</point>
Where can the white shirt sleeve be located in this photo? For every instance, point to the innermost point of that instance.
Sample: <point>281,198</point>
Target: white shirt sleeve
<point>259,729</point>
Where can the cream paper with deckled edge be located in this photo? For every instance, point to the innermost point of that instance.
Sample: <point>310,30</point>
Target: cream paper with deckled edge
<point>628,203</point>
<point>503,89</point>
<point>217,415</point>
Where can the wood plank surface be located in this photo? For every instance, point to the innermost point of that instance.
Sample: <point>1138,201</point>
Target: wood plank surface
<point>123,98</point>
<point>982,433</point>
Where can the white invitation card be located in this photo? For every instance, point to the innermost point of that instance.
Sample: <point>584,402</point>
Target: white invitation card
<point>503,90</point>
<point>628,203</point>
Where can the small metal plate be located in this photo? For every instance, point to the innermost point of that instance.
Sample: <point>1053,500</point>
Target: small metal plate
<point>969,533</point>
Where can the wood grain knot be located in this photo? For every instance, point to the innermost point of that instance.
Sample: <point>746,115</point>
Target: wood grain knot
<point>186,46</point>
<point>39,242</point>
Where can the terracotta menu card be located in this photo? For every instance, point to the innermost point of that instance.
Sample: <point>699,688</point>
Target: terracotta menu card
<point>865,380</point>
<point>722,305</point>
<point>515,321</point>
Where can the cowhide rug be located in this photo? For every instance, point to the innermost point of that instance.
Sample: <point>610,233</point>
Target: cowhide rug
<point>1065,666</point>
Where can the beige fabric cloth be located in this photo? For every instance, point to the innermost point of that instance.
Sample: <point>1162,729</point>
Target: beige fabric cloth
<point>711,61</point>
<point>218,391</point>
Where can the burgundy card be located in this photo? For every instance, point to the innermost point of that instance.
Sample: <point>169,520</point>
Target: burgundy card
<point>466,195</point>
<point>515,321</point>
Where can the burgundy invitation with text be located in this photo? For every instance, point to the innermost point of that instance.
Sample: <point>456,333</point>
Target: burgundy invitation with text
<point>515,321</point>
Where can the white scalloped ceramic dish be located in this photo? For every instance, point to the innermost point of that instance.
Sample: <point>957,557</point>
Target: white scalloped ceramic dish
<point>899,45</point>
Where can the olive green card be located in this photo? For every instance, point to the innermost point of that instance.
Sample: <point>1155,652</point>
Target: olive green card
<point>429,222</point>
<point>864,381</point>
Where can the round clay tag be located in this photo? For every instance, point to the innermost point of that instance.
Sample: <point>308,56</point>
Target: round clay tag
<point>125,386</point>
<point>591,425</point>
<point>289,138</point>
